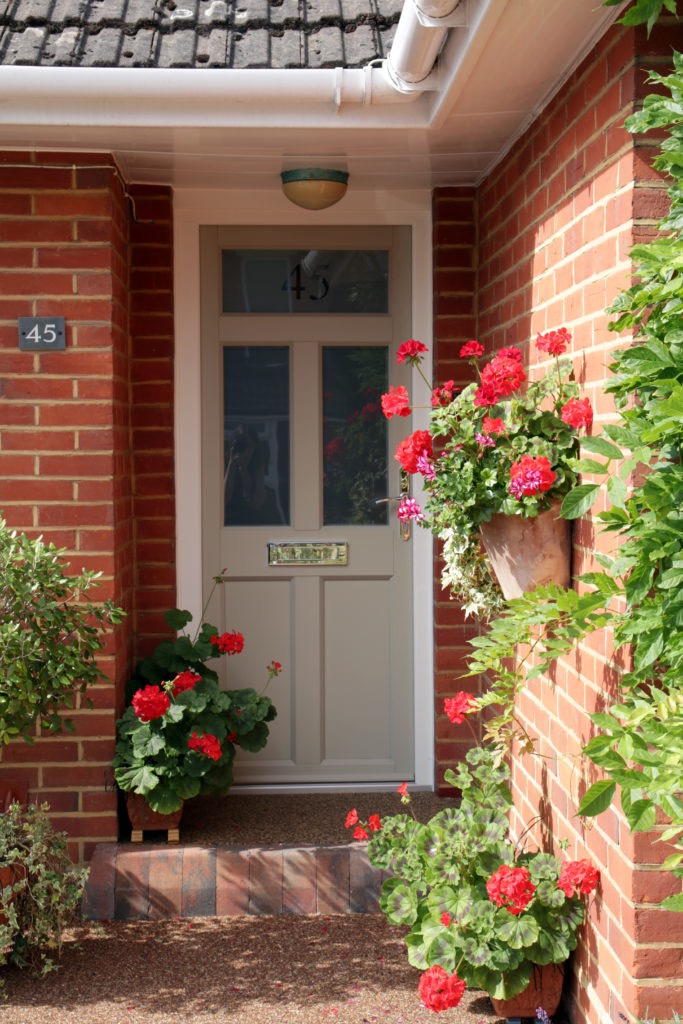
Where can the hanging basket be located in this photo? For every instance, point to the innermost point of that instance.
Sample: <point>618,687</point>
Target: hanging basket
<point>544,991</point>
<point>144,819</point>
<point>525,553</point>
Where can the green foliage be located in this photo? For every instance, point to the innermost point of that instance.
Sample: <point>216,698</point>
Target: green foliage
<point>544,625</point>
<point>442,868</point>
<point>153,758</point>
<point>49,635</point>
<point>639,745</point>
<point>44,897</point>
<point>644,11</point>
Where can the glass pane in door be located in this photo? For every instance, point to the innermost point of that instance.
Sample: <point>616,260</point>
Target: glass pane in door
<point>354,435</point>
<point>256,435</point>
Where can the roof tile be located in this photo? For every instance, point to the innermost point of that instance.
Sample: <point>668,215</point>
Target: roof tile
<point>197,33</point>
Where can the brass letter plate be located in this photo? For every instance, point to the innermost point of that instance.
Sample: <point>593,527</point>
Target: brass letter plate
<point>305,553</point>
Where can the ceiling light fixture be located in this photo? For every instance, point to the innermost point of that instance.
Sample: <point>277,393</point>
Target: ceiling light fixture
<point>314,188</point>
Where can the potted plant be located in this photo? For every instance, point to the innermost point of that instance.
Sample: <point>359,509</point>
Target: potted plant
<point>482,910</point>
<point>43,895</point>
<point>49,635</point>
<point>500,448</point>
<point>177,738</point>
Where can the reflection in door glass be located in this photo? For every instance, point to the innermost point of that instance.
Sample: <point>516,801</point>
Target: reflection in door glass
<point>256,435</point>
<point>354,435</point>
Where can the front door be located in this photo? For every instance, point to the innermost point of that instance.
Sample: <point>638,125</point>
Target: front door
<point>299,336</point>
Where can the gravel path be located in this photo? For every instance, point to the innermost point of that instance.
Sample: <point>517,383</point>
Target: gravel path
<point>266,970</point>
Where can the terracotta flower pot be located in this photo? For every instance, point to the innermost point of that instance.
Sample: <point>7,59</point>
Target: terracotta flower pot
<point>144,819</point>
<point>525,553</point>
<point>544,990</point>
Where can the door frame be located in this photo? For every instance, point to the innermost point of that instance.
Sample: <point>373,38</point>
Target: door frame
<point>196,207</point>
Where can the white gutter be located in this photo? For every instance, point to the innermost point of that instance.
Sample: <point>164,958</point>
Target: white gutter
<point>190,97</point>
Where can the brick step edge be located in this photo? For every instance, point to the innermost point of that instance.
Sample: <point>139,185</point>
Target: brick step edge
<point>127,883</point>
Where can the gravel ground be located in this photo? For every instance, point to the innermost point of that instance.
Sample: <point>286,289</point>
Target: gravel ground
<point>317,818</point>
<point>265,970</point>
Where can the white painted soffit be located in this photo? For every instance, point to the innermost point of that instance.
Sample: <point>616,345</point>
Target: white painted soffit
<point>180,125</point>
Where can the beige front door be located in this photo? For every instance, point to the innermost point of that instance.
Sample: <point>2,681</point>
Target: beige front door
<point>299,333</point>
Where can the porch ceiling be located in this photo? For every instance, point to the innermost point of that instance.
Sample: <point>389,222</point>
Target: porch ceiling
<point>208,130</point>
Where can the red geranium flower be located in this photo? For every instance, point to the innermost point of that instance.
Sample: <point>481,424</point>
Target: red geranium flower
<point>374,823</point>
<point>205,744</point>
<point>499,378</point>
<point>150,702</point>
<point>412,447</point>
<point>578,876</point>
<point>410,351</point>
<point>229,643</point>
<point>511,888</point>
<point>396,402</point>
<point>554,342</point>
<point>530,476</point>
<point>446,919</point>
<point>471,350</point>
<point>492,426</point>
<point>440,990</point>
<point>445,394</point>
<point>351,818</point>
<point>360,833</point>
<point>403,789</point>
<point>186,680</point>
<point>511,352</point>
<point>457,707</point>
<point>577,413</point>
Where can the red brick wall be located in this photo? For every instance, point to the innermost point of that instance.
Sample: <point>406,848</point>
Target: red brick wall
<point>86,445</point>
<point>556,221</point>
<point>151,298</point>
<point>64,436</point>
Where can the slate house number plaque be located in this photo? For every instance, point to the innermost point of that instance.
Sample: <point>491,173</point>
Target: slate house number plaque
<point>41,333</point>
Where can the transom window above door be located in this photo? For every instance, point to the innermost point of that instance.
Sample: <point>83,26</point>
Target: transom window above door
<point>309,281</point>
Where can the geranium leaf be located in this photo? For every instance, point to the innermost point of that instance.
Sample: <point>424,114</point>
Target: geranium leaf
<point>520,932</point>
<point>398,902</point>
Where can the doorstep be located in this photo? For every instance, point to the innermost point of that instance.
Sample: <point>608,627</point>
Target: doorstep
<point>131,882</point>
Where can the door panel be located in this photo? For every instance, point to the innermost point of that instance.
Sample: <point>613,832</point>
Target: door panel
<point>342,631</point>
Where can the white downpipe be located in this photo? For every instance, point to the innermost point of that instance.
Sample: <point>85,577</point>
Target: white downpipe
<point>418,39</point>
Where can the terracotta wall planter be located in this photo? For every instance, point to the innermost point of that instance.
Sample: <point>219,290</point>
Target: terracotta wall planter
<point>144,819</point>
<point>526,553</point>
<point>544,990</point>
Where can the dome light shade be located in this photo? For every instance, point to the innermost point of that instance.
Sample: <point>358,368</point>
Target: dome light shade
<point>314,188</point>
